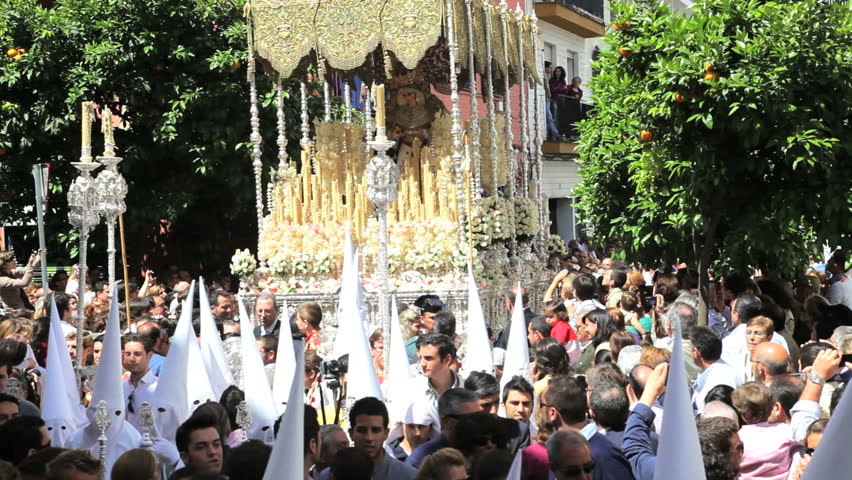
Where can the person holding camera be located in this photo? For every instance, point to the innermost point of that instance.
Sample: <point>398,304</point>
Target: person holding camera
<point>13,279</point>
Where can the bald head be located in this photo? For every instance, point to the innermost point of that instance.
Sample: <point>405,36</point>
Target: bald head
<point>719,409</point>
<point>770,360</point>
<point>637,378</point>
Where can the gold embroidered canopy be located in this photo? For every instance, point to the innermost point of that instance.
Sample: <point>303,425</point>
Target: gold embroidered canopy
<point>345,32</point>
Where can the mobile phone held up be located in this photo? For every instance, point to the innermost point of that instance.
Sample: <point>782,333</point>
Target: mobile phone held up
<point>651,301</point>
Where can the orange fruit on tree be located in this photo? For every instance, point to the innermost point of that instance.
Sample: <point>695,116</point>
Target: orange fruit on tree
<point>237,65</point>
<point>22,50</point>
<point>18,57</point>
<point>645,136</point>
<point>711,76</point>
<point>2,152</point>
<point>708,67</point>
<point>624,51</point>
<point>616,26</point>
<point>679,98</point>
<point>12,52</point>
<point>158,68</point>
<point>626,23</point>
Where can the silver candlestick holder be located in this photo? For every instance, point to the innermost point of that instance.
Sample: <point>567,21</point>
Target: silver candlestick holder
<point>244,419</point>
<point>112,189</point>
<point>146,422</point>
<point>382,175</point>
<point>83,215</point>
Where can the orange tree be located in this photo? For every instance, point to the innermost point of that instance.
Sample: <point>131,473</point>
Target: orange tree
<point>723,137</point>
<point>175,71</point>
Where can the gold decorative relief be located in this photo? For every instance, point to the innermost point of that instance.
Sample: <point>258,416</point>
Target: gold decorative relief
<point>479,35</point>
<point>348,30</point>
<point>283,31</point>
<point>497,50</point>
<point>460,23</point>
<point>410,27</point>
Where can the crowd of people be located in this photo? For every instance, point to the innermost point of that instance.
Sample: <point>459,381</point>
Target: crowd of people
<point>766,362</point>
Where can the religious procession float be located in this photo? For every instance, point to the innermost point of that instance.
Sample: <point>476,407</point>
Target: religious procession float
<point>438,169</point>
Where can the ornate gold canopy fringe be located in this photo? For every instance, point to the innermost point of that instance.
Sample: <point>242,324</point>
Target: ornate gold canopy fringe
<point>345,32</point>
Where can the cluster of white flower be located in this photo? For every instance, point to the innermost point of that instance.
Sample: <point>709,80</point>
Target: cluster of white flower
<point>491,221</point>
<point>556,246</point>
<point>526,218</point>
<point>243,263</point>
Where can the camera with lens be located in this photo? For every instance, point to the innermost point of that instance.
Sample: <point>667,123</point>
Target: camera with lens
<point>330,371</point>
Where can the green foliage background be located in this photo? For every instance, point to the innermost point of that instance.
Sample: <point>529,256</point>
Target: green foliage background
<point>753,167</point>
<point>175,70</point>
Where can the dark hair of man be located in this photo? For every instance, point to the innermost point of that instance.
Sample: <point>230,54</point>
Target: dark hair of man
<point>777,314</point>
<point>270,343</point>
<point>477,429</point>
<point>666,284</point>
<point>610,405</point>
<point>835,398</point>
<point>449,402</point>
<point>312,427</point>
<point>551,357</point>
<point>809,352</point>
<point>707,342</point>
<point>35,466</point>
<point>603,320</point>
<point>72,461</point>
<point>715,434</point>
<point>99,286</point>
<point>247,461</point>
<point>140,306</point>
<point>606,372</point>
<point>61,300</point>
<point>230,399</point>
<point>150,329</point>
<point>14,350</point>
<point>720,393</point>
<point>638,388</point>
<point>442,342</point>
<point>215,295</point>
<point>482,384</point>
<point>144,340</point>
<point>445,323</point>
<point>786,390</point>
<point>510,295</point>
<point>546,64</point>
<point>585,286</point>
<point>603,356</point>
<point>370,406</point>
<point>518,384</point>
<point>539,324</point>
<point>747,307</point>
<point>568,396</point>
<point>193,424</point>
<point>619,277</point>
<point>5,397</point>
<point>737,284</point>
<point>7,365</point>
<point>18,436</point>
<point>311,313</point>
<point>352,463</point>
<point>429,304</point>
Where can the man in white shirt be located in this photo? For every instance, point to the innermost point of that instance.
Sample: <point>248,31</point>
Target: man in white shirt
<point>437,353</point>
<point>840,291</point>
<point>136,352</point>
<point>743,308</point>
<point>706,353</point>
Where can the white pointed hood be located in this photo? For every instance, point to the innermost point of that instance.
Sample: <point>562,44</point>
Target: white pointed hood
<point>285,358</point>
<point>179,392</point>
<point>258,392</point>
<point>517,350</point>
<point>350,288</point>
<point>60,408</point>
<point>362,380</point>
<point>121,436</point>
<point>288,452</point>
<point>478,357</point>
<point>212,351</point>
<point>679,452</point>
<point>397,374</point>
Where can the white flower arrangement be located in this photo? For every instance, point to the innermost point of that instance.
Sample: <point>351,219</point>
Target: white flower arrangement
<point>243,263</point>
<point>556,246</point>
<point>526,218</point>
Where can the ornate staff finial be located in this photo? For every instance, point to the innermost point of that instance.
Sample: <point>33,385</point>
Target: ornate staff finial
<point>103,422</point>
<point>243,419</point>
<point>146,421</point>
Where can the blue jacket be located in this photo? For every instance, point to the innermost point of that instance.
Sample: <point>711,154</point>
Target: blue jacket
<point>610,463</point>
<point>637,442</point>
<point>420,453</point>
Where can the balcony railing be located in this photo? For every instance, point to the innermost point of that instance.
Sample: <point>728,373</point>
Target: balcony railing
<point>567,112</point>
<point>594,8</point>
